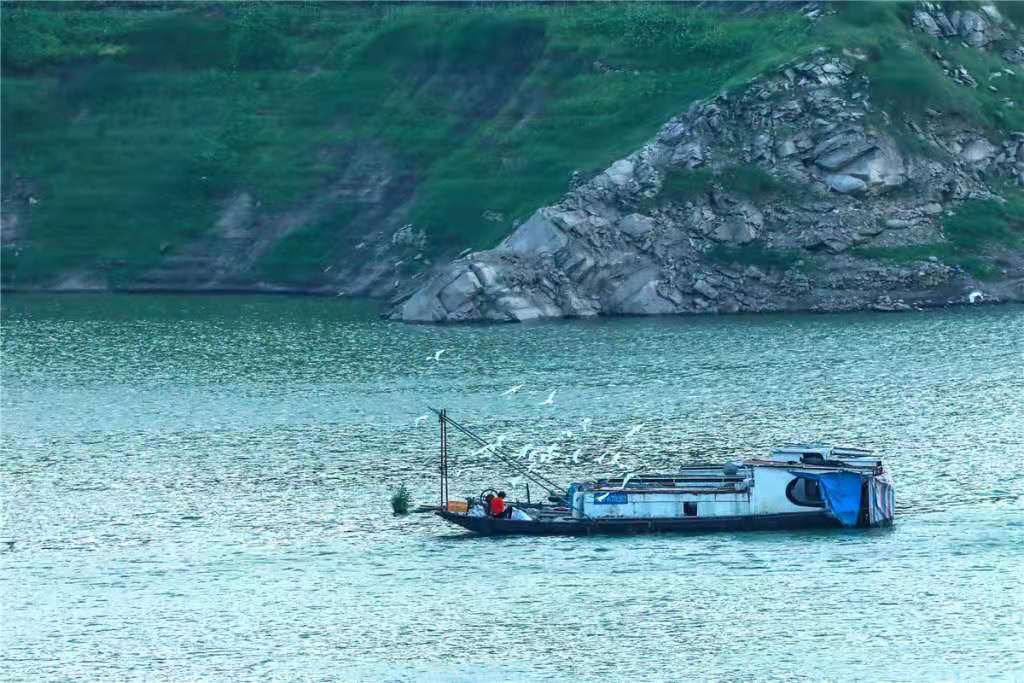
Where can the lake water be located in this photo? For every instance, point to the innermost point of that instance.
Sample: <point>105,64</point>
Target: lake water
<point>197,488</point>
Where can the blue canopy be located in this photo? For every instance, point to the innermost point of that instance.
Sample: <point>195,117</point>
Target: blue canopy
<point>841,492</point>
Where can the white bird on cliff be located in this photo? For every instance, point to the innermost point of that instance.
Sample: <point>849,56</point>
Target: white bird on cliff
<point>437,355</point>
<point>975,296</point>
<point>550,399</point>
<point>512,390</point>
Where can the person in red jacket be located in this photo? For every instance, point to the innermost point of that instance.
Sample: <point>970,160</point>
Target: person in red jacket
<point>498,505</point>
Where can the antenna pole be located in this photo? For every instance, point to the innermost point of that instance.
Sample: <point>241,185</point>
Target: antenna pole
<point>441,464</point>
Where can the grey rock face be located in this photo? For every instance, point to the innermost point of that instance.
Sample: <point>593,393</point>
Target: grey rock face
<point>636,225</point>
<point>978,150</point>
<point>819,184</point>
<point>846,184</point>
<point>536,236</point>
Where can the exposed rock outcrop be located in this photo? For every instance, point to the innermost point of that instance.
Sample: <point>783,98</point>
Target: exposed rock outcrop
<point>799,170</point>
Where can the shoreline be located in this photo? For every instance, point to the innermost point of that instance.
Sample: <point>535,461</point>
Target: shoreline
<point>386,307</point>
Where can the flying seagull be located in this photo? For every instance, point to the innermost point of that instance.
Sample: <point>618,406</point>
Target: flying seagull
<point>550,399</point>
<point>512,390</point>
<point>626,476</point>
<point>437,355</point>
<point>634,431</point>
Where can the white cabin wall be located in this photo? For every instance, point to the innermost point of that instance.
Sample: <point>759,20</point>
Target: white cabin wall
<point>769,492</point>
<point>657,505</point>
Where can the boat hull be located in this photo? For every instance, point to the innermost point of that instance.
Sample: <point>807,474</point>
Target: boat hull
<point>491,526</point>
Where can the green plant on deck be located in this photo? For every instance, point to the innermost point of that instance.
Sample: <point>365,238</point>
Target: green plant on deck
<point>400,500</point>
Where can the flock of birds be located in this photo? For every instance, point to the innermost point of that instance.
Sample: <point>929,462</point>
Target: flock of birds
<point>534,456</point>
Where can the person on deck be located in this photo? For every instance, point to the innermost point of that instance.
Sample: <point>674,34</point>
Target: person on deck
<point>498,507</point>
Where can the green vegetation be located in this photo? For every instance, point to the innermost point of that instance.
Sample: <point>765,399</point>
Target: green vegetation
<point>300,255</point>
<point>982,224</point>
<point>131,125</point>
<point>975,229</point>
<point>905,77</point>
<point>683,185</point>
<point>400,500</point>
<point>756,255</point>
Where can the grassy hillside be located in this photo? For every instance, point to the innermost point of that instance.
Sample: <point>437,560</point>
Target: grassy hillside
<point>129,125</point>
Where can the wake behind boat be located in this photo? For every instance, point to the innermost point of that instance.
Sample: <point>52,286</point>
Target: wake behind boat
<point>796,486</point>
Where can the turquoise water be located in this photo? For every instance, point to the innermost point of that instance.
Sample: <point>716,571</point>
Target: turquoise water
<point>197,489</point>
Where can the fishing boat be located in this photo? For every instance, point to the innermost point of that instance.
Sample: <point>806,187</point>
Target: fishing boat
<point>797,486</point>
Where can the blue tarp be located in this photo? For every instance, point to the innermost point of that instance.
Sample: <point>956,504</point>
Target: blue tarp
<point>841,492</point>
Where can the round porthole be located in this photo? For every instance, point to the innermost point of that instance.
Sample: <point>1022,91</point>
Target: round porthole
<point>805,492</point>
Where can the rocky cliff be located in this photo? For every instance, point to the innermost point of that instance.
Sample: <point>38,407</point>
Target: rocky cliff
<point>797,191</point>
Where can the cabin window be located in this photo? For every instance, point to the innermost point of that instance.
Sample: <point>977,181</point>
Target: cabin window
<point>805,492</point>
<point>690,509</point>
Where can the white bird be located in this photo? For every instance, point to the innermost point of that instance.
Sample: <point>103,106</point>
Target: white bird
<point>437,355</point>
<point>627,476</point>
<point>549,454</point>
<point>512,390</point>
<point>550,399</point>
<point>975,296</point>
<point>526,449</point>
<point>634,431</point>
<point>586,424</point>
<point>490,447</point>
<point>421,418</point>
<point>576,456</point>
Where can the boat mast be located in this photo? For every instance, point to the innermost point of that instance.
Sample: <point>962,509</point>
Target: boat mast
<point>444,458</point>
<point>550,486</point>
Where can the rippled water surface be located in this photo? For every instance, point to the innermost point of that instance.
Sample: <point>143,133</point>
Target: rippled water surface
<point>197,489</point>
